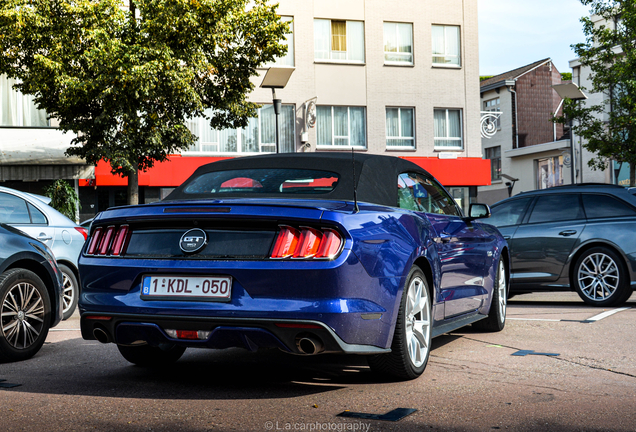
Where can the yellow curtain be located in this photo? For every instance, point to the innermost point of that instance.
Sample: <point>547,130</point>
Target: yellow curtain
<point>338,35</point>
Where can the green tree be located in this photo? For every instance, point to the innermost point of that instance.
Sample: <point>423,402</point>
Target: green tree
<point>608,128</point>
<point>125,80</point>
<point>63,198</point>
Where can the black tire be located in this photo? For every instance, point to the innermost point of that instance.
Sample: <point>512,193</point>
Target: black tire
<point>149,356</point>
<point>600,278</point>
<point>70,288</point>
<point>411,346</point>
<point>496,320</point>
<point>25,314</point>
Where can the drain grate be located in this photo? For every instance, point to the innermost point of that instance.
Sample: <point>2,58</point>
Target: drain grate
<point>393,416</point>
<point>523,353</point>
<point>4,384</point>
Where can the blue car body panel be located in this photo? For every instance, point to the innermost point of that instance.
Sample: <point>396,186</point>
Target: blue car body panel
<point>381,244</point>
<point>350,299</point>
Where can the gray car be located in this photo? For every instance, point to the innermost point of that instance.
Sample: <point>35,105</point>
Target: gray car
<point>30,214</point>
<point>580,237</point>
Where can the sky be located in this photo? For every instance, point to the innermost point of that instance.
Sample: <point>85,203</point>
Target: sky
<point>514,33</point>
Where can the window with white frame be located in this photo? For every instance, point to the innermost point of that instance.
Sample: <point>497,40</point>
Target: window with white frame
<point>258,137</point>
<point>398,43</point>
<point>448,128</point>
<point>341,126</point>
<point>400,128</point>
<point>17,109</point>
<point>287,59</point>
<point>446,45</point>
<point>493,105</point>
<point>336,40</point>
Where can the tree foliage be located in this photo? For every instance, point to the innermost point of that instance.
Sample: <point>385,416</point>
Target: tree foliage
<point>608,128</point>
<point>126,80</point>
<point>63,198</point>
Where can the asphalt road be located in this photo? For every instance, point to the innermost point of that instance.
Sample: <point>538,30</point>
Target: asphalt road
<point>472,382</point>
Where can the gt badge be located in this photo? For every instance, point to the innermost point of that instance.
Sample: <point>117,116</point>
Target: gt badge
<point>193,241</point>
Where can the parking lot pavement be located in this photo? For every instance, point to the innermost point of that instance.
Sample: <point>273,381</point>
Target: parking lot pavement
<point>68,329</point>
<point>473,382</point>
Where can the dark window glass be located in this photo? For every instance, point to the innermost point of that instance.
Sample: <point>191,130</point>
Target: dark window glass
<point>418,193</point>
<point>13,210</point>
<point>121,198</point>
<point>494,154</point>
<point>556,207</point>
<point>36,215</point>
<point>264,181</point>
<point>508,213</point>
<point>604,206</point>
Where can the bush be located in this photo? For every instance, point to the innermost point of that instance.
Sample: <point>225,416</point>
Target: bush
<point>63,198</point>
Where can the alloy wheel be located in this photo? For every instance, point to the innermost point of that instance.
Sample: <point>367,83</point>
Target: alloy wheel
<point>502,290</point>
<point>69,292</point>
<point>22,315</point>
<point>598,276</point>
<point>418,322</point>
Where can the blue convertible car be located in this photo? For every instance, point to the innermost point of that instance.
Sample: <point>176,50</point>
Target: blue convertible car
<point>313,253</point>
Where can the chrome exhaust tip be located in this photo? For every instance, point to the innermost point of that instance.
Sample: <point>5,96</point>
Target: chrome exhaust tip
<point>309,344</point>
<point>101,335</point>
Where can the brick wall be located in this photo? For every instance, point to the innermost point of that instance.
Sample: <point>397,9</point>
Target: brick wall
<point>536,103</point>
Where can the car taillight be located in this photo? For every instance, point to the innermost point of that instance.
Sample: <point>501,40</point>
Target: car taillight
<point>111,241</point>
<point>83,231</point>
<point>286,242</point>
<point>120,240</point>
<point>105,243</point>
<point>330,244</point>
<point>306,243</point>
<point>92,246</point>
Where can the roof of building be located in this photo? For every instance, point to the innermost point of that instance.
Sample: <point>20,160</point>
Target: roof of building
<point>499,80</point>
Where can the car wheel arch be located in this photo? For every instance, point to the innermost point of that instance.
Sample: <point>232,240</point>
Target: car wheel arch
<point>42,273</point>
<point>592,244</point>
<point>424,264</point>
<point>70,265</point>
<point>505,254</point>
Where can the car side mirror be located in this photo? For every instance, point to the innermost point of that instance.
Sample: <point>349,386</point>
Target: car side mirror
<point>478,211</point>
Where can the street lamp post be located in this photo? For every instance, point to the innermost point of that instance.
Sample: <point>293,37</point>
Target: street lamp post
<point>573,92</point>
<point>277,78</point>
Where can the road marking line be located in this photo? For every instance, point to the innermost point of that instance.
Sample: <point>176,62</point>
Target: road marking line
<point>586,321</point>
<point>54,329</point>
<point>606,314</point>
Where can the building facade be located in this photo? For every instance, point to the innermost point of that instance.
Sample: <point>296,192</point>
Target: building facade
<point>528,151</point>
<point>385,77</point>
<point>618,172</point>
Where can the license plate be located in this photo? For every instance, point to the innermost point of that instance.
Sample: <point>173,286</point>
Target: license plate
<point>215,288</point>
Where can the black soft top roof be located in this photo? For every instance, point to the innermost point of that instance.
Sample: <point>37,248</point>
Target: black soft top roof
<point>375,175</point>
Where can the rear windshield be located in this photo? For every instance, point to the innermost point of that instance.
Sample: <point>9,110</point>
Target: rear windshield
<point>263,181</point>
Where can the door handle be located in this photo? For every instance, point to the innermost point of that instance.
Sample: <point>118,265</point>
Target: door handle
<point>567,233</point>
<point>43,237</point>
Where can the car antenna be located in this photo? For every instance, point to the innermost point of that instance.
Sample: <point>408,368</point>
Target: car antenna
<point>356,209</point>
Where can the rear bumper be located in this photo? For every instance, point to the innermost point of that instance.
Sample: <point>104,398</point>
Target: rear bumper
<point>355,308</point>
<point>250,334</point>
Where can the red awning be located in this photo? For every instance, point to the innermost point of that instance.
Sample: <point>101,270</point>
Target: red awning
<point>170,173</point>
<point>456,172</point>
<point>450,172</point>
